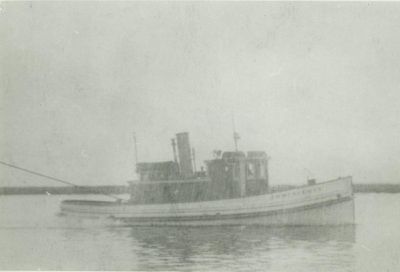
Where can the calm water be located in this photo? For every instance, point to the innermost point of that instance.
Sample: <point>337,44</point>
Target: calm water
<point>32,237</point>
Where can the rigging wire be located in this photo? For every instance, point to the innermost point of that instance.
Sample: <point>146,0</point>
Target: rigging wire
<point>51,178</point>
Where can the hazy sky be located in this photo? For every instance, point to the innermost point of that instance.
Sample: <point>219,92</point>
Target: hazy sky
<point>315,85</point>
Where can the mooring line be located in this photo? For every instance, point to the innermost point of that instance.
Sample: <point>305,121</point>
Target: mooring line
<point>51,178</point>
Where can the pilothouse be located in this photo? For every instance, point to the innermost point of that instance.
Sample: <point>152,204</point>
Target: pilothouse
<point>232,175</point>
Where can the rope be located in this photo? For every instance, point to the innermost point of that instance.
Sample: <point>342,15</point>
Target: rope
<point>51,178</point>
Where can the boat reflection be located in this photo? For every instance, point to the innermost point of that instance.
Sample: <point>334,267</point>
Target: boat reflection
<point>183,246</point>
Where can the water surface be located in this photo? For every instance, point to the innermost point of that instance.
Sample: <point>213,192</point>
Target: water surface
<point>33,236</point>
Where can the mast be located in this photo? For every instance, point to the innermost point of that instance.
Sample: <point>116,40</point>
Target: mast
<point>236,136</point>
<point>135,145</point>
<point>194,160</point>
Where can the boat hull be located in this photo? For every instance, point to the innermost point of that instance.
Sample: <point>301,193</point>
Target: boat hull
<point>325,214</point>
<point>329,203</point>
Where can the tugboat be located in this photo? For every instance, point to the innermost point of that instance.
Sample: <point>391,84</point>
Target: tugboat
<point>234,189</point>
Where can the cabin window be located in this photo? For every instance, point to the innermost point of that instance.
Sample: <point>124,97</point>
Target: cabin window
<point>251,170</point>
<point>262,170</point>
<point>237,170</point>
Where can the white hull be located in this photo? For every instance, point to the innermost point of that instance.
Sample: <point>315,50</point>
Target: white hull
<point>329,203</point>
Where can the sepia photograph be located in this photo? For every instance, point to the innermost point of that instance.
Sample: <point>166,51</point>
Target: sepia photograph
<point>200,136</point>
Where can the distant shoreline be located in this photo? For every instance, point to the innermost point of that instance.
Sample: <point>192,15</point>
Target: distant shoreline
<point>124,189</point>
<point>64,190</point>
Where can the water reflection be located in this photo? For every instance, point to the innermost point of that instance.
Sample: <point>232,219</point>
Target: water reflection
<point>174,247</point>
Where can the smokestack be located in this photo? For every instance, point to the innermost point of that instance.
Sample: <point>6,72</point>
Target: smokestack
<point>174,150</point>
<point>185,161</point>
